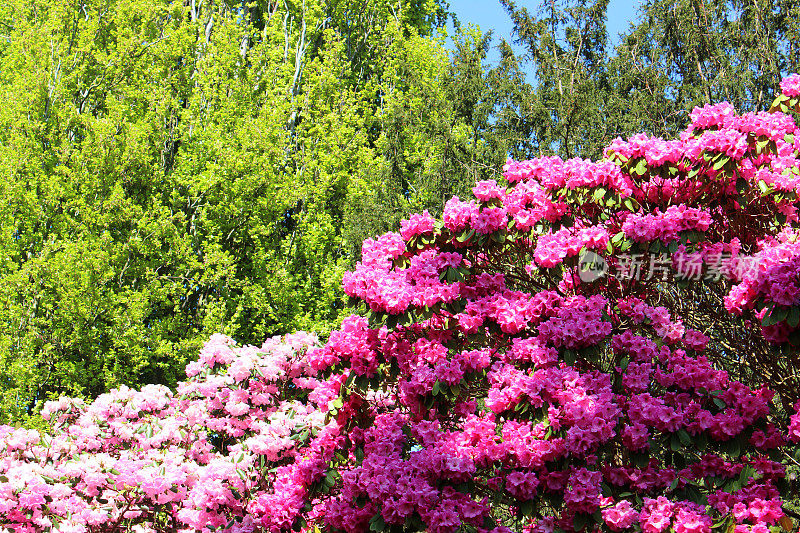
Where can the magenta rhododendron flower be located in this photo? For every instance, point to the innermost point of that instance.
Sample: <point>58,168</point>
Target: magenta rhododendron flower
<point>790,85</point>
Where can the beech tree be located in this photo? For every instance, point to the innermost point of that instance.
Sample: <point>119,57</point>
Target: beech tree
<point>174,169</point>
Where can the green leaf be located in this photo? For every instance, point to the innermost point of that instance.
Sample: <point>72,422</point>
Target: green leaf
<point>694,495</point>
<point>579,521</point>
<point>330,478</point>
<point>377,523</point>
<point>465,235</point>
<point>793,318</point>
<point>774,314</point>
<point>694,236</point>
<point>742,185</point>
<point>599,193</point>
<point>641,460</point>
<point>745,475</point>
<point>405,319</point>
<point>764,188</point>
<point>779,314</point>
<point>733,447</point>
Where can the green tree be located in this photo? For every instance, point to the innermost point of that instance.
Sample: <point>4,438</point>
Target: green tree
<point>567,47</point>
<point>675,56</point>
<point>175,169</point>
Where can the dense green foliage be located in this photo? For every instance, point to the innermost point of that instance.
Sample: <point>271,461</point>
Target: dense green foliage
<point>174,169</point>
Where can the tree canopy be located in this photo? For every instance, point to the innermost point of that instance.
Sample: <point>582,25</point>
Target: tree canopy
<point>676,55</point>
<point>174,169</point>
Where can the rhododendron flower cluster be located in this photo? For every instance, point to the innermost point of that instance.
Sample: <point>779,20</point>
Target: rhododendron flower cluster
<point>558,402</point>
<point>790,86</point>
<point>199,458</point>
<point>488,386</point>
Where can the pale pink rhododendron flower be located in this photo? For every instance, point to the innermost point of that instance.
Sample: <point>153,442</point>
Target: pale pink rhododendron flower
<point>133,459</point>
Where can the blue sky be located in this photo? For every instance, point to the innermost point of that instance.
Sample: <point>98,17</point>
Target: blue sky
<point>490,15</point>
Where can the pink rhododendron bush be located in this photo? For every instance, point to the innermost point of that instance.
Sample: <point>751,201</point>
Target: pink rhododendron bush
<point>154,460</point>
<point>536,360</point>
